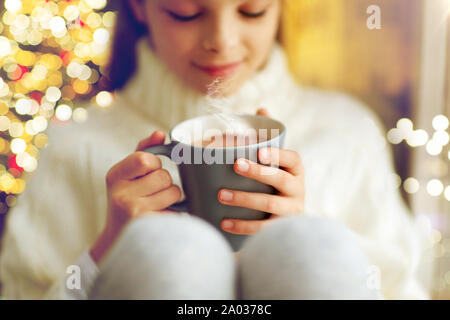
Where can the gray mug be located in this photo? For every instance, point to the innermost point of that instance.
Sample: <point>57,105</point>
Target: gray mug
<point>204,170</point>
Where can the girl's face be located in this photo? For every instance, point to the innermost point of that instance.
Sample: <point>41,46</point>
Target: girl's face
<point>211,41</point>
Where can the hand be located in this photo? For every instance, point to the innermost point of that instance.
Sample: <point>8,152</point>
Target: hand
<point>288,180</point>
<point>135,186</point>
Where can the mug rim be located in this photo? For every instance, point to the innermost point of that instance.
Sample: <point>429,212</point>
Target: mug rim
<point>263,143</point>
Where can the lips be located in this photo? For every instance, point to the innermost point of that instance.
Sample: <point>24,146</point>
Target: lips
<point>220,70</point>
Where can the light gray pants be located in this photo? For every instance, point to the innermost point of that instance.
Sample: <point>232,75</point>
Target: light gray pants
<point>171,256</point>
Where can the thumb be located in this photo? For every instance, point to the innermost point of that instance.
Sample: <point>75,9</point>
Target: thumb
<point>263,112</point>
<point>156,138</point>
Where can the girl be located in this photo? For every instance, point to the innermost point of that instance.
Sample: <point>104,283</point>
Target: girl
<point>338,227</point>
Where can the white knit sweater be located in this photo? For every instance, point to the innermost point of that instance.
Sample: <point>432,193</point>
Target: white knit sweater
<point>348,176</point>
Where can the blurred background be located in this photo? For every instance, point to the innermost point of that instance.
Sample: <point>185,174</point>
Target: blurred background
<point>53,55</point>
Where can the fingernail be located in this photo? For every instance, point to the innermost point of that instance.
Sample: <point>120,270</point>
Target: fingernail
<point>242,165</point>
<point>227,224</point>
<point>226,195</point>
<point>264,154</point>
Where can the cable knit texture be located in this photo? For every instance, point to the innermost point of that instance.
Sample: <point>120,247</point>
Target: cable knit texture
<point>348,175</point>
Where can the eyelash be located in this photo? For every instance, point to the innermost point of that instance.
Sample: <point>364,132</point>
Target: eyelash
<point>183,18</point>
<point>253,15</point>
<point>190,18</point>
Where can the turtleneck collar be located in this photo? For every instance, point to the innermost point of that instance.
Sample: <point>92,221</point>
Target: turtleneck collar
<point>157,94</point>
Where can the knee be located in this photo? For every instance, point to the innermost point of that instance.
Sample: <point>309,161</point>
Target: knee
<point>304,258</point>
<point>162,231</point>
<point>289,235</point>
<point>166,256</point>
<point>170,235</point>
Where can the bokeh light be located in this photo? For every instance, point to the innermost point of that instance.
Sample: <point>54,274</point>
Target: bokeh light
<point>52,55</point>
<point>411,185</point>
<point>447,193</point>
<point>435,187</point>
<point>417,138</point>
<point>440,122</point>
<point>104,99</point>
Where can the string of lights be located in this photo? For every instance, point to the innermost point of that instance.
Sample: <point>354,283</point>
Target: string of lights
<point>434,145</point>
<point>52,53</point>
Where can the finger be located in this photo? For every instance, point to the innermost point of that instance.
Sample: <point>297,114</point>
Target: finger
<point>260,201</point>
<point>135,165</point>
<point>156,138</point>
<point>248,227</point>
<point>151,183</point>
<point>263,112</point>
<point>287,159</point>
<point>160,200</point>
<point>281,180</point>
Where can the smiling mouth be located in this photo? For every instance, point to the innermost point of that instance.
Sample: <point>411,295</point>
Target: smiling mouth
<point>219,70</point>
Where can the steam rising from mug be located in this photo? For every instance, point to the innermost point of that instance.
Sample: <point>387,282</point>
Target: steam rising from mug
<point>220,107</point>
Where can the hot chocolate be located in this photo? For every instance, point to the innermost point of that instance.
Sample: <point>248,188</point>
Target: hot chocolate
<point>229,140</point>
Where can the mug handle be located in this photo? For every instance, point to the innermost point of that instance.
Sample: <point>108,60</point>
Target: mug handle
<point>166,150</point>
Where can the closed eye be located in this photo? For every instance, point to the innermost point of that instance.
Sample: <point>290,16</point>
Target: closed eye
<point>192,17</point>
<point>253,15</point>
<point>183,18</point>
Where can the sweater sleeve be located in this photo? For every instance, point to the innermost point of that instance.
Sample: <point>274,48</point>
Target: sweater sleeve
<point>88,272</point>
<point>76,284</point>
<point>55,219</point>
<point>363,196</point>
<point>393,238</point>
<point>349,177</point>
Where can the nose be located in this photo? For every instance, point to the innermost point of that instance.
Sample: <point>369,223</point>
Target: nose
<point>221,35</point>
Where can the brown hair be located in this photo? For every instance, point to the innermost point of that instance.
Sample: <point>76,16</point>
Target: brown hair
<point>123,51</point>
